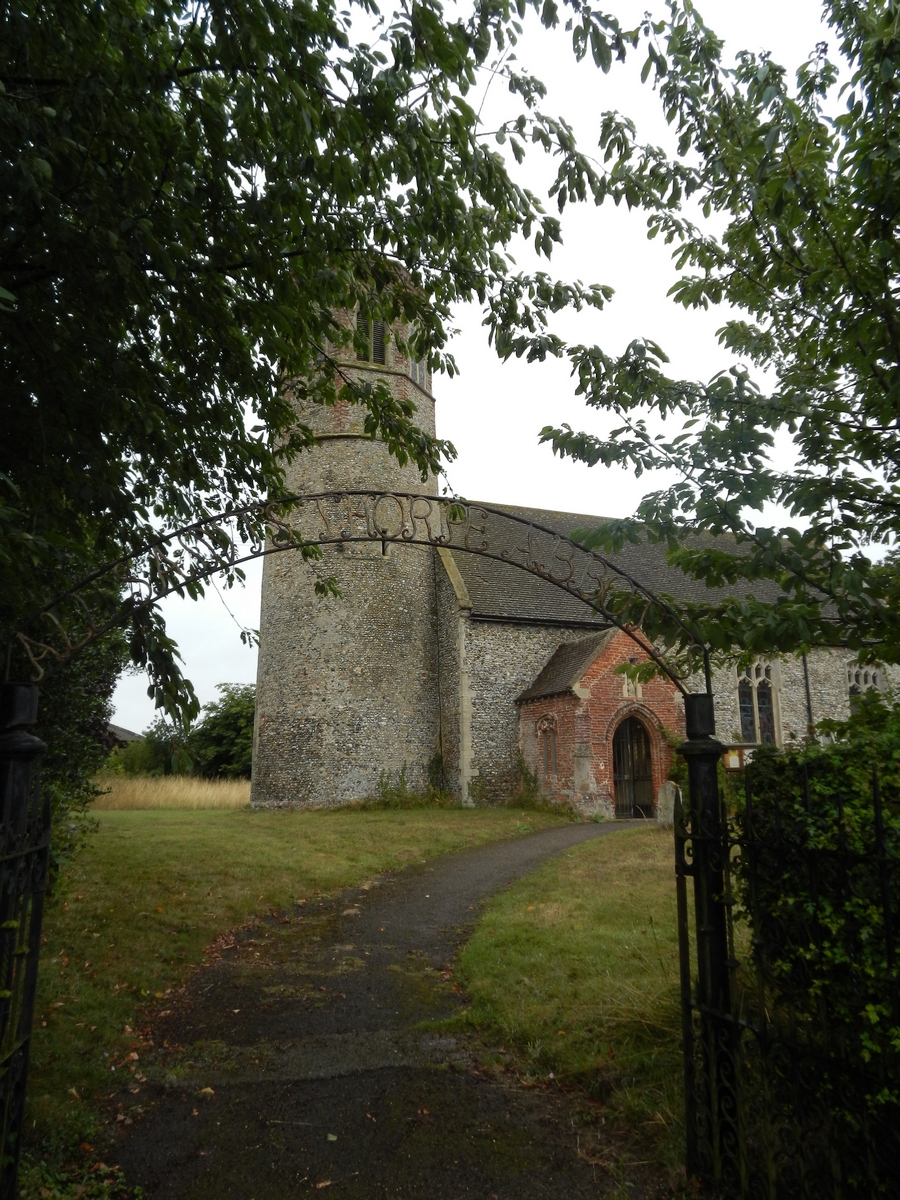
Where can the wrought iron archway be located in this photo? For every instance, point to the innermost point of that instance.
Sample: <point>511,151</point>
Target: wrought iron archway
<point>184,557</point>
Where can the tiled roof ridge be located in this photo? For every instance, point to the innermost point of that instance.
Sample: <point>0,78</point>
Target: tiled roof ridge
<point>595,518</point>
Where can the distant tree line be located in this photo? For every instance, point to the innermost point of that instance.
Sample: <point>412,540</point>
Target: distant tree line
<point>219,745</point>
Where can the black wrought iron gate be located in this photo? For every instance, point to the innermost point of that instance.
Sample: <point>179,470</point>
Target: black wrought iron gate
<point>24,857</point>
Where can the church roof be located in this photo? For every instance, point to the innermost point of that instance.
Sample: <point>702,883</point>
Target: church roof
<point>500,591</point>
<point>566,667</point>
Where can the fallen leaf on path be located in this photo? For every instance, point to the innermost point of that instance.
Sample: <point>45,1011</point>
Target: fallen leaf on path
<point>332,1137</point>
<point>323,1184</point>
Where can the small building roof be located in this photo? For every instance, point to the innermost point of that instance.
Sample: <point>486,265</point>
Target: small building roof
<point>123,735</point>
<point>566,667</point>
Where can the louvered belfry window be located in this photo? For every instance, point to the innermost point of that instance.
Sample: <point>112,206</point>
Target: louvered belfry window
<point>378,342</point>
<point>373,332</point>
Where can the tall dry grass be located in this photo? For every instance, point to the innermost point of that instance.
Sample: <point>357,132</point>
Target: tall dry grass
<point>172,791</point>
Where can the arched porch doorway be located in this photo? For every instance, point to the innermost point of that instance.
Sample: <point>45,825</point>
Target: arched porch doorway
<point>632,769</point>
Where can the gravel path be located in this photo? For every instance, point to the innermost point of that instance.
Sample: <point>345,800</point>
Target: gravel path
<point>297,1064</point>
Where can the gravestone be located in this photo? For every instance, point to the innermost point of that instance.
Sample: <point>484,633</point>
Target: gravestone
<point>665,804</point>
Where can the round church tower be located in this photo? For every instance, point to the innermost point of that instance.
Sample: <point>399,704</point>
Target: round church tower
<point>346,686</point>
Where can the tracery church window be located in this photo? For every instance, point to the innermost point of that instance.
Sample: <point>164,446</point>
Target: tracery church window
<point>373,331</point>
<point>861,680</point>
<point>546,731</point>
<point>756,702</point>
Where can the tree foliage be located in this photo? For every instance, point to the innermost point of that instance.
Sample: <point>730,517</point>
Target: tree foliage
<point>160,750</point>
<point>190,191</point>
<point>221,743</point>
<point>802,177</point>
<point>74,716</point>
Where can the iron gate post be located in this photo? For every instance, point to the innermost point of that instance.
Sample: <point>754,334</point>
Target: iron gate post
<point>713,1146</point>
<point>24,859</point>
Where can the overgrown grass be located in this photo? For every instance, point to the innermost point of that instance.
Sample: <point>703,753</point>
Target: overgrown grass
<point>145,897</point>
<point>574,971</point>
<point>170,791</point>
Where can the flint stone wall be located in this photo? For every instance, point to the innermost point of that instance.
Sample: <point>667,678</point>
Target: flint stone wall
<point>502,660</point>
<point>346,686</point>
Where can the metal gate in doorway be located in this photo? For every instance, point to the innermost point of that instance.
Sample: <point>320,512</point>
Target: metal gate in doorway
<point>632,770</point>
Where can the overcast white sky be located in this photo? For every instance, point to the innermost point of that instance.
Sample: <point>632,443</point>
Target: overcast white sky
<point>492,412</point>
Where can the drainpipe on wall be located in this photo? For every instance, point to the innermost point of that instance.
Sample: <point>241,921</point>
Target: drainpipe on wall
<point>810,723</point>
<point>466,771</point>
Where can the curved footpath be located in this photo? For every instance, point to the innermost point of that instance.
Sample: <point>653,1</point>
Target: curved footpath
<point>295,1064</point>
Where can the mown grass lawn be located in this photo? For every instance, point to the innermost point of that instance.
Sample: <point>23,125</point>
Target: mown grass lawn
<point>151,890</point>
<point>574,971</point>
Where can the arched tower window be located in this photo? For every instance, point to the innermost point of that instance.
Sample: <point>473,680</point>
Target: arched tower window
<point>756,701</point>
<point>373,332</point>
<point>546,731</point>
<point>861,680</point>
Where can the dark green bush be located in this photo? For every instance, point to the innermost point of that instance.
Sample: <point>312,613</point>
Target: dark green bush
<point>73,720</point>
<point>819,883</point>
<point>162,749</point>
<point>221,743</point>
